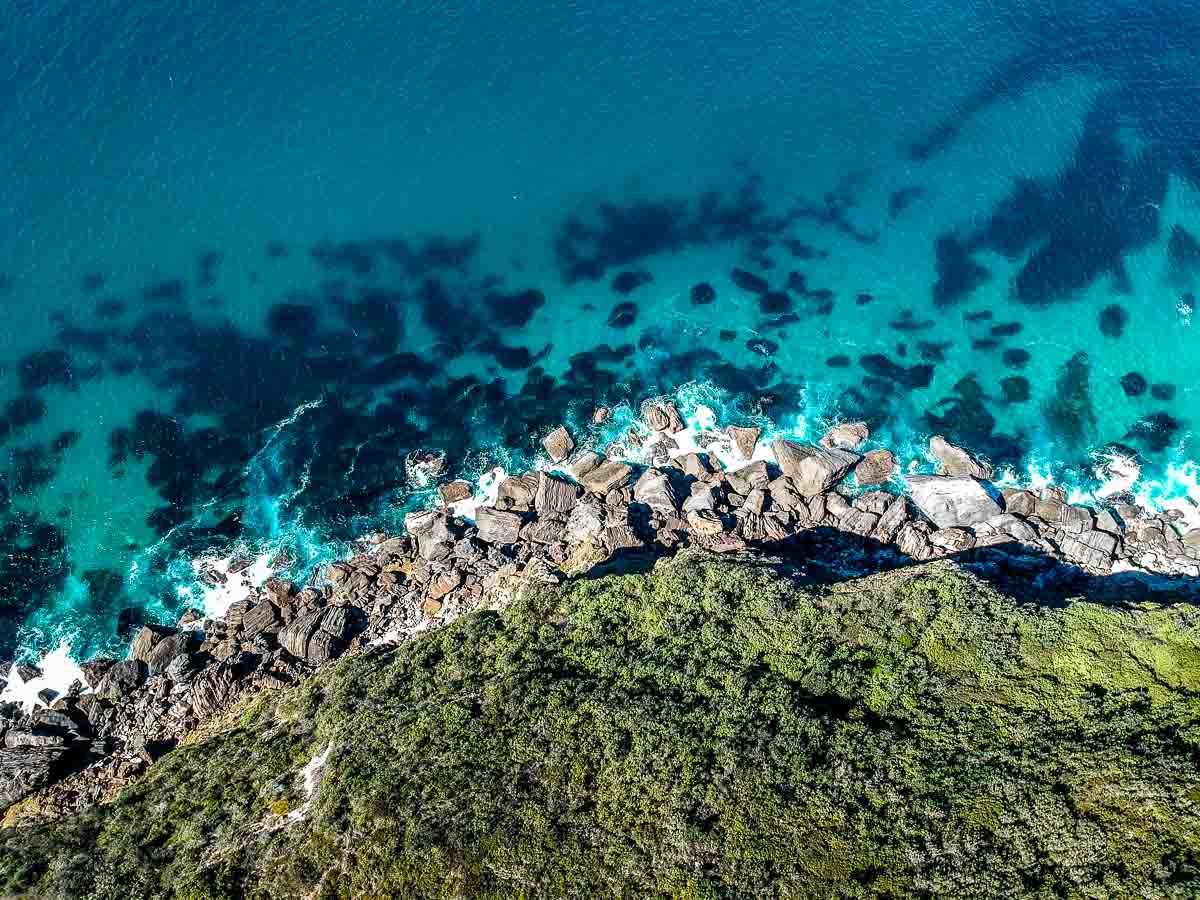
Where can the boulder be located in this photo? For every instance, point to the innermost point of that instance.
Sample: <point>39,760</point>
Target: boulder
<point>1020,503</point>
<point>952,501</point>
<point>558,444</point>
<point>587,461</point>
<point>655,490</point>
<point>705,521</point>
<point>262,616</point>
<point>847,436</point>
<point>515,494</point>
<point>745,438</point>
<point>585,522</point>
<point>954,460</point>
<point>496,526</point>
<point>455,491</point>
<point>121,679</point>
<point>322,634</point>
<point>703,496</point>
<point>813,470</point>
<point>608,476</point>
<point>875,468</point>
<point>146,638</point>
<point>857,521</point>
<point>952,540</point>
<point>784,499</point>
<point>748,478</point>
<point>892,520</point>
<point>554,495</point>
<point>26,769</point>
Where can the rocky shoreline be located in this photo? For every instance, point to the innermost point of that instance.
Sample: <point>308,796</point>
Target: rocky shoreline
<point>547,526</point>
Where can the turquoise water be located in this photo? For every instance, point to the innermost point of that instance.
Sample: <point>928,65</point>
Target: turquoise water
<point>252,259</point>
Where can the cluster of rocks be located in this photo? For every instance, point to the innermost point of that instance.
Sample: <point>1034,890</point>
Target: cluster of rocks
<point>546,527</point>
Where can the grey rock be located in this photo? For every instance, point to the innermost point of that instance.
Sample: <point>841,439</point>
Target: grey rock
<point>857,521</point>
<point>952,540</point>
<point>952,501</point>
<point>847,436</point>
<point>587,461</point>
<point>608,476</point>
<point>558,444</point>
<point>873,501</point>
<point>496,526</point>
<point>784,498</point>
<point>1020,503</point>
<point>654,489</point>
<point>121,679</point>
<point>813,470</point>
<point>892,520</point>
<point>553,495</point>
<point>954,460</point>
<point>705,521</point>
<point>875,468</point>
<point>745,438</point>
<point>515,494</point>
<point>836,505</point>
<point>146,638</point>
<point>747,478</point>
<point>585,521</point>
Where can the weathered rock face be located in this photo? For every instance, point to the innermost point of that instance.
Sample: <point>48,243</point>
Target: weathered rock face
<point>875,468</point>
<point>608,476</point>
<point>321,635</point>
<point>455,491</point>
<point>954,460</point>
<point>516,494</point>
<point>952,501</point>
<point>654,489</point>
<point>497,526</point>
<point>554,495</point>
<point>745,438</point>
<point>846,436</point>
<point>558,444</point>
<point>813,470</point>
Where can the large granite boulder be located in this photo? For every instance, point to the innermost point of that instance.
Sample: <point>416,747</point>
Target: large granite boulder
<point>609,475</point>
<point>875,468</point>
<point>846,436</point>
<point>558,444</point>
<point>953,501</point>
<point>322,634</point>
<point>497,526</point>
<point>954,460</point>
<point>654,489</point>
<point>813,470</point>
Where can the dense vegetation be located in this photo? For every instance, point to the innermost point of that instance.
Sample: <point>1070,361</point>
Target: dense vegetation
<point>708,730</point>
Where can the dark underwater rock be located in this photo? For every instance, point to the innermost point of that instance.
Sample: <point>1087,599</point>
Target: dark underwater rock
<point>627,282</point>
<point>1113,319</point>
<point>748,281</point>
<point>702,294</point>
<point>1133,384</point>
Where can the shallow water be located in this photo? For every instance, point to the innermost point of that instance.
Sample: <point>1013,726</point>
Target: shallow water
<point>253,259</point>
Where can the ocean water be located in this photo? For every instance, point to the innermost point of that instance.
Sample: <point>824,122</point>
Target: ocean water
<point>253,257</point>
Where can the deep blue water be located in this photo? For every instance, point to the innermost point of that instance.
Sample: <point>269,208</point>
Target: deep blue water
<point>252,258</point>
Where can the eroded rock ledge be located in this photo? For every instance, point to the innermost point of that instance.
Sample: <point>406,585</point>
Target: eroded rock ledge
<point>83,747</point>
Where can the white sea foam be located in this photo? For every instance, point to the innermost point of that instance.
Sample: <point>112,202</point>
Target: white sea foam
<point>58,672</point>
<point>236,586</point>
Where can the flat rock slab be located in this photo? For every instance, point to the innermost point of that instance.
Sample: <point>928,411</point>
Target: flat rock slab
<point>952,501</point>
<point>607,476</point>
<point>813,470</point>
